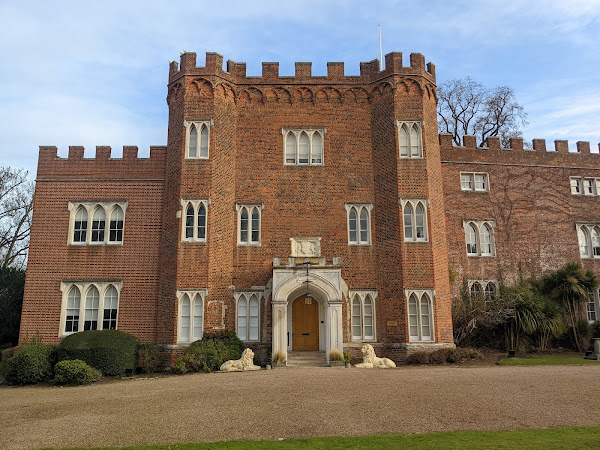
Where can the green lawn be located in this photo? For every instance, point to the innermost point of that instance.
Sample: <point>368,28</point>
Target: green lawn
<point>547,360</point>
<point>563,438</point>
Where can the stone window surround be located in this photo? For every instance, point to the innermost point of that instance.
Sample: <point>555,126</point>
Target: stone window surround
<point>362,294</point>
<point>191,293</point>
<point>90,207</point>
<point>419,294</point>
<point>187,124</point>
<point>408,124</point>
<point>183,215</point>
<point>473,187</point>
<point>477,225</point>
<point>483,285</point>
<point>310,131</point>
<point>358,208</point>
<point>84,287</point>
<point>247,294</point>
<point>249,207</point>
<point>413,202</point>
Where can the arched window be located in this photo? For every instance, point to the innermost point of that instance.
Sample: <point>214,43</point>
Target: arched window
<point>184,333</point>
<point>198,317</point>
<point>368,318</point>
<point>249,224</point>
<point>201,222</point>
<point>189,222</point>
<point>356,319</point>
<point>244,226</point>
<point>98,224</point>
<point>193,142</point>
<point>304,149</point>
<point>204,142</point>
<point>476,290</point>
<point>596,242</point>
<point>420,317</point>
<point>415,142</point>
<point>197,138</point>
<point>584,242</point>
<point>471,240</point>
<point>490,292</point>
<point>317,149</point>
<point>409,139</point>
<point>408,222</point>
<point>72,310</point>
<point>111,306</point>
<point>80,225</point>
<point>303,146</point>
<point>248,315</point>
<point>92,302</point>
<point>359,226</point>
<point>415,219</point>
<point>116,225</point>
<point>353,226</point>
<point>290,148</point>
<point>486,240</point>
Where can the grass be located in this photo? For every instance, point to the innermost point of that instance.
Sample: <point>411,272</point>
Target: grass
<point>563,438</point>
<point>547,360</point>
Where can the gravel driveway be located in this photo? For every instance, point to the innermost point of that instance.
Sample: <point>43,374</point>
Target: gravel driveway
<point>295,403</point>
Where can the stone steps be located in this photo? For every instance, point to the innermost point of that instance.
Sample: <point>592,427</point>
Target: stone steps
<point>306,359</point>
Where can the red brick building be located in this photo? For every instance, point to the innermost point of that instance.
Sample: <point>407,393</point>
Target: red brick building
<point>305,213</point>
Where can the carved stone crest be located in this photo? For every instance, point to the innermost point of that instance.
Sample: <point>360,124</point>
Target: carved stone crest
<point>306,247</point>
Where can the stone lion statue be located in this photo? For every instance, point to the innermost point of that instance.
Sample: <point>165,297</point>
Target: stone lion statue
<point>370,360</point>
<point>246,362</point>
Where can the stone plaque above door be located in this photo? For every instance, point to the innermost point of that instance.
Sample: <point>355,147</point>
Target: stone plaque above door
<point>306,247</point>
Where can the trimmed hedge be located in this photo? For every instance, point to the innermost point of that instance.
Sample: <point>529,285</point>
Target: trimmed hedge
<point>33,364</point>
<point>210,353</point>
<point>149,358</point>
<point>112,352</point>
<point>444,355</point>
<point>75,371</point>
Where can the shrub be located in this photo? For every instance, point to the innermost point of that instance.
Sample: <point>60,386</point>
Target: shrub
<point>179,366</point>
<point>278,357</point>
<point>149,358</point>
<point>112,352</point>
<point>32,365</point>
<point>335,355</point>
<point>596,329</point>
<point>75,372</point>
<point>347,357</point>
<point>7,353</point>
<point>211,352</point>
<point>444,355</point>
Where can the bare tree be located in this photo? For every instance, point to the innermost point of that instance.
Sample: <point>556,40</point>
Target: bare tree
<point>16,204</point>
<point>467,107</point>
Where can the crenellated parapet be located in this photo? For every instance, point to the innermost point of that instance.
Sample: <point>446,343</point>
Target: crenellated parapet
<point>539,154</point>
<point>102,166</point>
<point>212,80</point>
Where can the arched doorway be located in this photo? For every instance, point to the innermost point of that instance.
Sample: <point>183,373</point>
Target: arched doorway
<point>305,324</point>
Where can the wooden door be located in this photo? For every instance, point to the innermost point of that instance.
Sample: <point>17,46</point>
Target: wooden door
<point>305,324</point>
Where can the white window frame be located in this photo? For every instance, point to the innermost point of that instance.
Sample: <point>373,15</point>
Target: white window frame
<point>585,232</point>
<point>198,123</point>
<point>84,287</point>
<point>358,208</point>
<point>361,295</point>
<point>310,132</point>
<point>593,306</point>
<point>407,125</point>
<point>478,226</point>
<point>413,203</point>
<point>473,181</point>
<point>584,186</point>
<point>91,207</point>
<point>247,295</point>
<point>249,207</point>
<point>419,293</point>
<point>483,285</point>
<point>192,294</point>
<point>195,203</point>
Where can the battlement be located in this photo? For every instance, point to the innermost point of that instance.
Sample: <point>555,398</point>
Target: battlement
<point>516,153</point>
<point>236,71</point>
<point>103,166</point>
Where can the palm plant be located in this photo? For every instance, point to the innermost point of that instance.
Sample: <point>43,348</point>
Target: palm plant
<point>569,286</point>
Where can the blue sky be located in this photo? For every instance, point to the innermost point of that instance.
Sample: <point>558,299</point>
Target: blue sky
<point>95,73</point>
